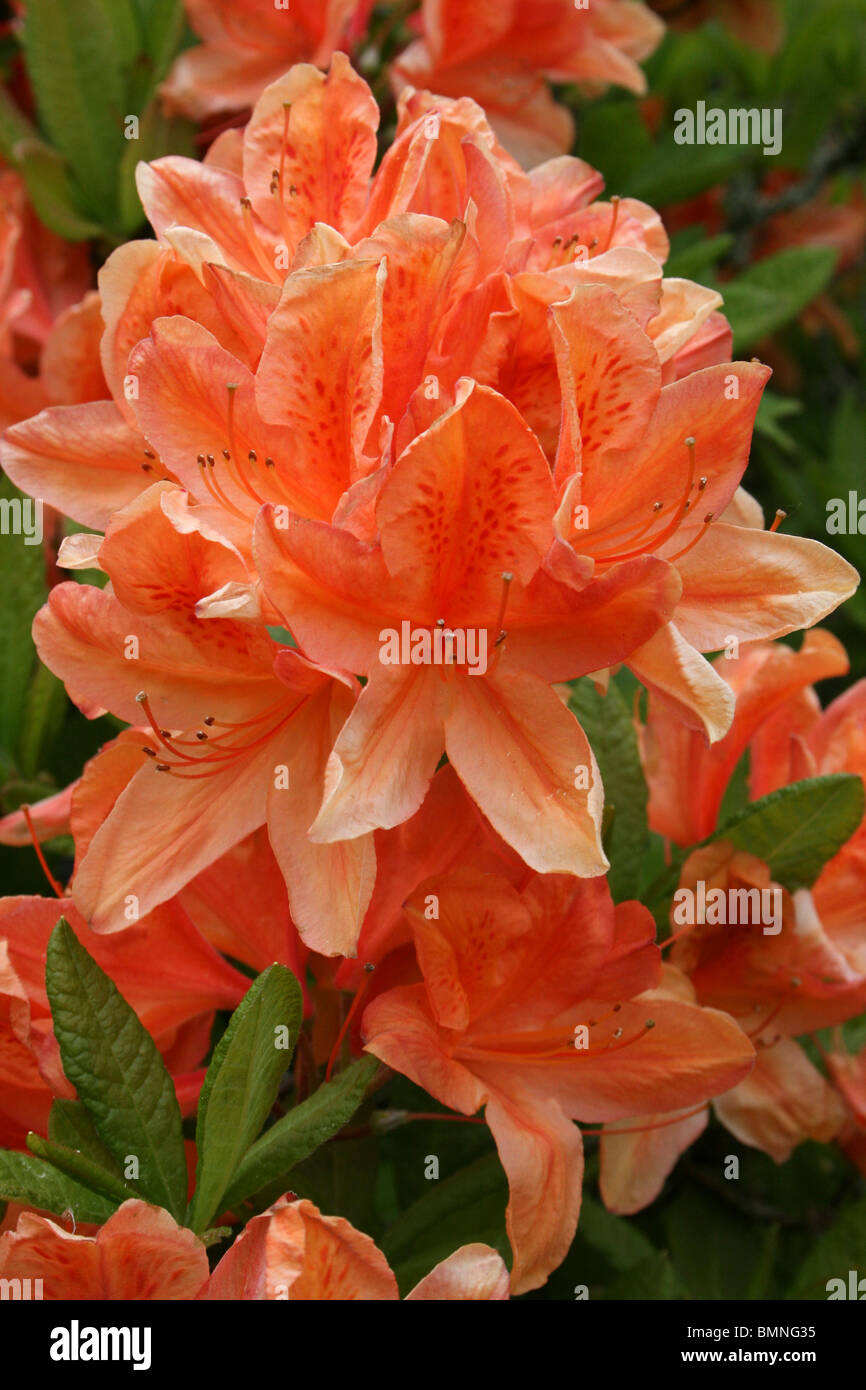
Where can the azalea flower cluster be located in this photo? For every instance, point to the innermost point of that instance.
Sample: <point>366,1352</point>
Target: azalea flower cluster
<point>386,456</point>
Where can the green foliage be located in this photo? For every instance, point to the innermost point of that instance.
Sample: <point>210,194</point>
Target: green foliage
<point>94,66</point>
<point>112,1061</point>
<point>296,1135</point>
<point>242,1083</point>
<point>608,724</point>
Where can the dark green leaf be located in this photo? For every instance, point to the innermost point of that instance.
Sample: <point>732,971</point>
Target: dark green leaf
<point>299,1133</point>
<point>607,722</point>
<point>467,1206</point>
<point>22,582</point>
<point>113,1063</point>
<point>82,1169</point>
<point>799,827</point>
<point>70,1124</point>
<point>242,1083</point>
<point>34,1183</point>
<point>837,1251</point>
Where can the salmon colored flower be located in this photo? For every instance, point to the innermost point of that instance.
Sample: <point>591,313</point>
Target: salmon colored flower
<point>247,44</point>
<point>806,971</point>
<point>466,546</point>
<point>501,53</point>
<point>240,726</point>
<point>645,469</point>
<point>290,1252</point>
<point>139,1254</point>
<point>294,1252</point>
<point>534,1005</point>
<point>260,214</point>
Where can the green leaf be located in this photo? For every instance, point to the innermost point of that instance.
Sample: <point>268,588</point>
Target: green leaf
<point>14,127</point>
<point>22,583</point>
<point>242,1083</point>
<point>796,829</point>
<point>43,716</point>
<point>689,262</point>
<point>70,1124</point>
<point>52,194</point>
<point>35,1183</point>
<point>79,59</point>
<point>303,1130</point>
<point>837,1251</point>
<point>158,135</point>
<point>772,412</point>
<point>653,1279</point>
<point>82,1169</point>
<point>768,295</point>
<point>162,23</point>
<point>113,1063</point>
<point>467,1206</point>
<point>607,722</point>
<point>715,1249</point>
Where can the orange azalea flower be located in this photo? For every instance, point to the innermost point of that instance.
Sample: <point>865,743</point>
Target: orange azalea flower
<point>240,727</point>
<point>259,214</point>
<point>248,43</point>
<point>48,339</point>
<point>290,1252</point>
<point>294,1252</point>
<point>809,974</point>
<point>139,1254</point>
<point>534,1005</point>
<point>501,52</point>
<point>645,469</point>
<point>466,547</point>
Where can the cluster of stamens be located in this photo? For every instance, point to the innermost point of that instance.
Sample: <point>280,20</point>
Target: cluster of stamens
<point>214,750</point>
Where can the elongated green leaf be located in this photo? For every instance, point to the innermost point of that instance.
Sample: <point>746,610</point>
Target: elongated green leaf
<point>79,59</point>
<point>768,295</point>
<point>52,194</point>
<point>75,1165</point>
<point>34,1183</point>
<point>296,1135</point>
<point>608,725</point>
<point>162,24</point>
<point>158,135</point>
<point>22,583</point>
<point>70,1124</point>
<point>113,1063</point>
<point>242,1083</point>
<point>43,716</point>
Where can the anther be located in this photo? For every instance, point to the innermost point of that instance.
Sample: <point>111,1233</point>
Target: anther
<point>209,719</point>
<point>149,752</point>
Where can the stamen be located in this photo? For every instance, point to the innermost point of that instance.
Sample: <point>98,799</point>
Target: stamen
<point>708,519</point>
<point>254,243</point>
<point>668,530</point>
<point>778,519</point>
<point>28,819</point>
